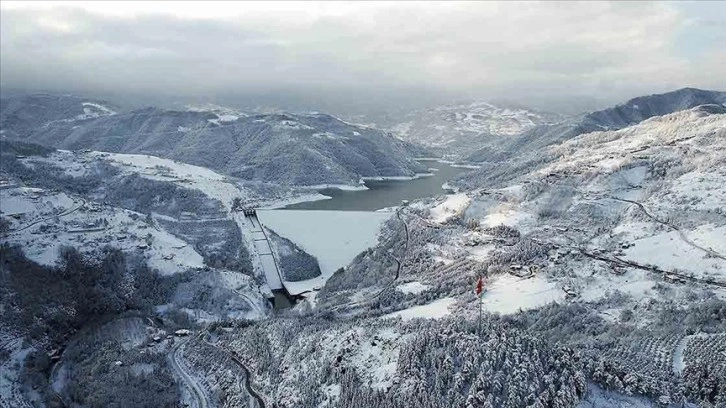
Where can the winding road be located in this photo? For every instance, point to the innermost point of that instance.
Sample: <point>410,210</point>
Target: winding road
<point>248,376</point>
<point>178,366</point>
<point>248,384</point>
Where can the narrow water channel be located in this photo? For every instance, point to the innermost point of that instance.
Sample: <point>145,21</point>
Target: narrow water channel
<point>382,194</point>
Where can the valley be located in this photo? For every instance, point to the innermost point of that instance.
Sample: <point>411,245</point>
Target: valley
<point>600,250</point>
<point>362,204</point>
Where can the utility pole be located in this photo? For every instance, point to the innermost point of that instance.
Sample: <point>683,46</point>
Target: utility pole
<point>480,292</point>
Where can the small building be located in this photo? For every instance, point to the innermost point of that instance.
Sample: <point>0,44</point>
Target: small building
<point>570,292</point>
<point>187,215</point>
<point>672,278</point>
<point>617,270</point>
<point>249,212</point>
<point>182,332</point>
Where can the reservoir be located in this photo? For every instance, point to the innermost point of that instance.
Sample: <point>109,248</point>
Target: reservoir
<point>388,193</point>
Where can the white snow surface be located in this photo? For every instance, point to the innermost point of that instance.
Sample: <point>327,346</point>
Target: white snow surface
<point>597,397</point>
<point>508,294</point>
<point>506,214</point>
<point>207,181</point>
<point>412,287</point>
<point>453,205</point>
<point>670,252</point>
<point>434,310</point>
<point>333,237</point>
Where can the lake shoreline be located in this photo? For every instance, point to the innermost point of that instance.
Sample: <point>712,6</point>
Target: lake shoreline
<point>383,192</point>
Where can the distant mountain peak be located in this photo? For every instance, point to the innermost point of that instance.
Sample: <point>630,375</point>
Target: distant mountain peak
<point>462,127</point>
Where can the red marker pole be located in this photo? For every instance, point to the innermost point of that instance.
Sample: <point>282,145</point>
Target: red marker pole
<point>480,291</point>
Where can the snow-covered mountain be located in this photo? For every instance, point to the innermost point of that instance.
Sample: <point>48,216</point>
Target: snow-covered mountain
<point>292,149</point>
<point>457,129</point>
<point>600,246</point>
<point>616,241</point>
<point>629,113</point>
<point>22,115</point>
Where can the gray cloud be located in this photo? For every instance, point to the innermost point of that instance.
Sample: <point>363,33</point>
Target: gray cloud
<point>518,51</point>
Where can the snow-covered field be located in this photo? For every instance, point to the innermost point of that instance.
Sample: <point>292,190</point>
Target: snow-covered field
<point>669,251</point>
<point>509,294</point>
<point>434,310</point>
<point>412,287</point>
<point>207,181</point>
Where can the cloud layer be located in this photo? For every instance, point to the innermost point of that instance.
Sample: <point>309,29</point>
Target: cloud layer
<point>481,49</point>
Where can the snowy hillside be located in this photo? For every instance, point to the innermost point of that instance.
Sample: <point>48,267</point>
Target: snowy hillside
<point>289,149</point>
<point>458,129</point>
<point>43,222</point>
<point>174,216</point>
<point>601,253</point>
<point>22,115</point>
<point>621,231</point>
<point>533,141</point>
<point>646,198</point>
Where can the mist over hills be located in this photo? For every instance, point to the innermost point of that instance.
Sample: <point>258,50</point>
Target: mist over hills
<point>321,204</point>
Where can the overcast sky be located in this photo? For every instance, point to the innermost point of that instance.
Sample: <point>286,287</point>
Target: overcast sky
<point>488,50</point>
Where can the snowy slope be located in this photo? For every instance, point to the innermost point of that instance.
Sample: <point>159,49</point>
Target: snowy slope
<point>48,221</point>
<point>462,128</point>
<point>575,223</point>
<point>288,149</point>
<point>196,224</point>
<point>531,143</point>
<point>23,114</point>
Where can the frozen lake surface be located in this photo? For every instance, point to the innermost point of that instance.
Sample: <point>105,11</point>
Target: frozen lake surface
<point>333,237</point>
